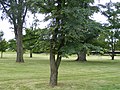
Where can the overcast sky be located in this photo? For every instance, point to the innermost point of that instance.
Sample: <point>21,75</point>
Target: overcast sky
<point>9,34</point>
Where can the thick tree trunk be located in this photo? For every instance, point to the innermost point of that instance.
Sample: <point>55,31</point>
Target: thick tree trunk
<point>30,53</point>
<point>53,75</point>
<point>53,69</point>
<point>19,46</point>
<point>81,56</point>
<point>54,65</point>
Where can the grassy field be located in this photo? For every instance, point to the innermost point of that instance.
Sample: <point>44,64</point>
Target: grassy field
<point>99,73</point>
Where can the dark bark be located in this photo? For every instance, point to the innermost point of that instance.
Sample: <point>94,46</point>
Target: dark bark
<point>19,46</point>
<point>81,56</point>
<point>54,65</point>
<point>53,68</point>
<point>113,54</point>
<point>30,53</point>
<point>113,48</point>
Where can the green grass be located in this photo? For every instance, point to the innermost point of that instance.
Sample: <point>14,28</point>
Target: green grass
<point>99,73</point>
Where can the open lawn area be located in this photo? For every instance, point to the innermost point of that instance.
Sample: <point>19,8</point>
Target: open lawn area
<point>98,73</point>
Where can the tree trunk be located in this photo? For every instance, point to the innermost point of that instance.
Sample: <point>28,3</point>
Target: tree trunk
<point>53,69</point>
<point>81,56</point>
<point>19,46</point>
<point>30,53</point>
<point>113,54</point>
<point>113,49</point>
<point>54,65</point>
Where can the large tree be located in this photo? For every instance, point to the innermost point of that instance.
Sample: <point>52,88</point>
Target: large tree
<point>16,11</point>
<point>91,31</point>
<point>67,19</point>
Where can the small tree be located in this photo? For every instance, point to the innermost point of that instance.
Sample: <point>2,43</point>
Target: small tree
<point>3,46</point>
<point>12,45</point>
<point>29,40</point>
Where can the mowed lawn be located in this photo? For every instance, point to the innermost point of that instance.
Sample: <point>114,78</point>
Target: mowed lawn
<point>99,73</point>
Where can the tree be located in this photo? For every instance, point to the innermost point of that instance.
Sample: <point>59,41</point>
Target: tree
<point>111,11</point>
<point>43,43</point>
<point>16,11</point>
<point>3,46</point>
<point>65,32</point>
<point>12,45</point>
<point>30,39</point>
<point>91,31</point>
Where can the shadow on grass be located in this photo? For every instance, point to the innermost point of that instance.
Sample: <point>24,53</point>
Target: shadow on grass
<point>93,61</point>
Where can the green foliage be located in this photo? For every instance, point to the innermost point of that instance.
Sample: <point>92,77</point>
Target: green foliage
<point>16,15</point>
<point>3,46</point>
<point>111,11</point>
<point>29,39</point>
<point>36,40</point>
<point>41,47</point>
<point>118,45</point>
<point>71,18</point>
<point>12,45</point>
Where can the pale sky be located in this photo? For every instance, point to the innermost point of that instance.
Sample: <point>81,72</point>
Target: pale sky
<point>98,17</point>
<point>5,26</point>
<point>9,34</point>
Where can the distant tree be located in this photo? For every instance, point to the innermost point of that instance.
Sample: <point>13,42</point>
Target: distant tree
<point>29,40</point>
<point>12,45</point>
<point>3,46</point>
<point>36,40</point>
<point>101,43</point>
<point>91,31</point>
<point>111,11</point>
